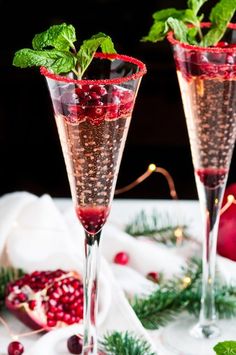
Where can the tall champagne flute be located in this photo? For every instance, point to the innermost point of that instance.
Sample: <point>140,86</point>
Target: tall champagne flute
<point>207,80</point>
<point>92,118</point>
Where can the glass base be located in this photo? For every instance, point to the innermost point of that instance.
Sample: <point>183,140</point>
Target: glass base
<point>176,338</point>
<point>210,331</point>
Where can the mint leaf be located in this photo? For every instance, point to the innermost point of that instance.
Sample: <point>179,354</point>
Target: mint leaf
<point>160,27</point>
<point>225,348</point>
<point>191,35</point>
<point>179,28</point>
<point>220,16</point>
<point>60,37</point>
<point>190,17</point>
<point>157,32</point>
<point>57,61</point>
<point>163,15</point>
<point>195,5</point>
<point>90,46</point>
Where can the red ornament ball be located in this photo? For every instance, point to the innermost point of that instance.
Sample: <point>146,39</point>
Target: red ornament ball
<point>121,258</point>
<point>15,348</point>
<point>226,243</point>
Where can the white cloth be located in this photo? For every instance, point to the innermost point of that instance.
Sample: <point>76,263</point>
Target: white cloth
<point>37,235</point>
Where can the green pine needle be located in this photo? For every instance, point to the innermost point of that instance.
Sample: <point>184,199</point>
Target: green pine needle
<point>117,343</point>
<point>7,274</point>
<point>175,296</point>
<point>158,227</point>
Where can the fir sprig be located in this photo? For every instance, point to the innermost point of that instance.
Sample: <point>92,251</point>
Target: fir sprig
<point>7,274</point>
<point>117,343</point>
<point>158,227</point>
<point>181,293</point>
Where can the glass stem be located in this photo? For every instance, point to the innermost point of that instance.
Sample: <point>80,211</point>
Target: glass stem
<point>211,205</point>
<point>90,293</point>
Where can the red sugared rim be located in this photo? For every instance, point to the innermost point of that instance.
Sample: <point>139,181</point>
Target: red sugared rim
<point>142,70</point>
<point>174,41</point>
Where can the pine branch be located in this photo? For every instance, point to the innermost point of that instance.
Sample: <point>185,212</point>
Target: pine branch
<point>160,228</point>
<point>7,274</point>
<point>182,293</point>
<point>117,343</point>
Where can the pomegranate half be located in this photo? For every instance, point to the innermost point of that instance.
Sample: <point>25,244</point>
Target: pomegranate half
<point>46,299</point>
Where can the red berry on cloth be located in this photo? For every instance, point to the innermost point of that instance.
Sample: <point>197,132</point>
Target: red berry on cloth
<point>153,276</point>
<point>121,258</point>
<point>75,344</point>
<point>15,348</point>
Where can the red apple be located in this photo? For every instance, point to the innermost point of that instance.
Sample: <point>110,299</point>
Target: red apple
<point>226,244</point>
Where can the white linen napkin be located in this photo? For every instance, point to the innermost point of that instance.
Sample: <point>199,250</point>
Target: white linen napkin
<point>38,237</point>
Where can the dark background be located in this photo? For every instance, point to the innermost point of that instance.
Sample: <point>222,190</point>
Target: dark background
<point>31,157</point>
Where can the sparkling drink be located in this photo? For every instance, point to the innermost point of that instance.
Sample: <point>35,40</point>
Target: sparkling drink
<point>93,117</point>
<point>92,138</point>
<point>207,80</point>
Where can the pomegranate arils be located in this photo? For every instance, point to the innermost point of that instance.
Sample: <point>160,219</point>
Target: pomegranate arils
<point>75,344</point>
<point>32,304</point>
<point>96,103</point>
<point>15,348</point>
<point>47,299</point>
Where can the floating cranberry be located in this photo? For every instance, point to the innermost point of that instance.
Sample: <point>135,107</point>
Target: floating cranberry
<point>75,344</point>
<point>121,258</point>
<point>15,348</point>
<point>153,276</point>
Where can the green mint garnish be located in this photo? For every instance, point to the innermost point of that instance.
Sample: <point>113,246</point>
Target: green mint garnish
<point>186,23</point>
<point>225,348</point>
<point>62,37</point>
<point>55,50</point>
<point>220,17</point>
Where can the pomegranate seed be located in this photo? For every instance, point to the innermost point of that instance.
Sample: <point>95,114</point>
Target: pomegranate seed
<point>79,311</point>
<point>59,315</point>
<point>153,276</point>
<point>66,317</point>
<point>22,297</point>
<point>121,258</point>
<point>50,315</point>
<point>51,323</point>
<point>55,296</point>
<point>75,344</point>
<point>99,90</point>
<point>15,348</point>
<point>32,304</point>
<point>64,299</point>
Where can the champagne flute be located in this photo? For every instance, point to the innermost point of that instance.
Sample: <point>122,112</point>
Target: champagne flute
<point>92,117</point>
<point>207,80</point>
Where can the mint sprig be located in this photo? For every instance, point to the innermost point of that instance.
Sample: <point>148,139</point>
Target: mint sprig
<point>55,50</point>
<point>186,23</point>
<point>225,348</point>
<point>62,37</point>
